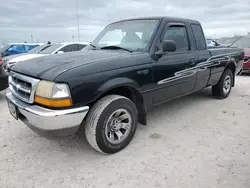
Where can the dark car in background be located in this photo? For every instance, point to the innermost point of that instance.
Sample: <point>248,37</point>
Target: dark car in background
<point>16,48</point>
<point>9,51</point>
<point>3,78</point>
<point>51,50</point>
<point>244,43</point>
<point>35,50</point>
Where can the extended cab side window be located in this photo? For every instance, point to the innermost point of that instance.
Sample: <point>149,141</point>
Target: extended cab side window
<point>199,37</point>
<point>179,35</point>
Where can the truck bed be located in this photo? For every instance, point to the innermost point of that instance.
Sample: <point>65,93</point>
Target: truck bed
<point>224,50</point>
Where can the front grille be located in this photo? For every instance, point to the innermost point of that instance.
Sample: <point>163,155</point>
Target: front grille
<point>23,87</point>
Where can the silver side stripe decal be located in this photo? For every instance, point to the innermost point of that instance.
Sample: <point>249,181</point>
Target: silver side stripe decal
<point>211,62</point>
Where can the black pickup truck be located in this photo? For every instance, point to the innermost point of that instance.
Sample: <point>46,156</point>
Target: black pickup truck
<point>108,87</point>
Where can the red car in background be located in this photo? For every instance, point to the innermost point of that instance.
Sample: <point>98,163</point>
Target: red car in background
<point>244,43</point>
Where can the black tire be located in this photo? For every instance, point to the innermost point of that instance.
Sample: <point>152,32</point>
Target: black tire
<point>218,91</point>
<point>97,119</point>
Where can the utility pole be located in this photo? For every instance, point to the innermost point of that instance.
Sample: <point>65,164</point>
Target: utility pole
<point>77,18</point>
<point>31,36</point>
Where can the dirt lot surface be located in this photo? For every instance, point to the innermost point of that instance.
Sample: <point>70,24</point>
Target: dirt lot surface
<point>193,142</point>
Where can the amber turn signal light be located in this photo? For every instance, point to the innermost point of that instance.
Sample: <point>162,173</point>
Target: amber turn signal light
<point>53,102</point>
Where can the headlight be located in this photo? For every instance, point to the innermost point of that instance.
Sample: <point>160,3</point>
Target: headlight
<point>52,94</point>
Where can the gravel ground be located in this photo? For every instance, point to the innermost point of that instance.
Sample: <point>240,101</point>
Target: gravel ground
<point>195,141</point>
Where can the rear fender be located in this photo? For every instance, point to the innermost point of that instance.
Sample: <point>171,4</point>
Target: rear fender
<point>232,66</point>
<point>221,63</point>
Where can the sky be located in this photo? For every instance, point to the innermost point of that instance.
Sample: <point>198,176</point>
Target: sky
<point>56,20</point>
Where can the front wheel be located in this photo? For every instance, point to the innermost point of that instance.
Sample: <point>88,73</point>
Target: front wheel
<point>111,124</point>
<point>223,88</point>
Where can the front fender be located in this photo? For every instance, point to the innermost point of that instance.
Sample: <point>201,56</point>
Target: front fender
<point>117,82</point>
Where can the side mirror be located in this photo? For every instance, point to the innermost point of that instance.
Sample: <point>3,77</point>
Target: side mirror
<point>60,52</point>
<point>166,46</point>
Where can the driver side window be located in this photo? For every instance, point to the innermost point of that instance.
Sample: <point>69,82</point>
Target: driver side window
<point>179,35</point>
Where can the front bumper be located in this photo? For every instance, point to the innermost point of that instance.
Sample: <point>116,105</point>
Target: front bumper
<point>47,122</point>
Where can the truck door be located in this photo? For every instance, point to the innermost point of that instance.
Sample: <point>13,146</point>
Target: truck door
<point>175,73</point>
<point>201,56</point>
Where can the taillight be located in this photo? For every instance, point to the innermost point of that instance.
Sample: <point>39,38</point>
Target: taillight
<point>1,61</point>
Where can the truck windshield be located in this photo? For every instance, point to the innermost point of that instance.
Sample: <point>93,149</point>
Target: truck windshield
<point>133,35</point>
<point>242,43</point>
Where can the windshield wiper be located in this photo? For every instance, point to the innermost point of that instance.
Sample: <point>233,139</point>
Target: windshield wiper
<point>116,47</point>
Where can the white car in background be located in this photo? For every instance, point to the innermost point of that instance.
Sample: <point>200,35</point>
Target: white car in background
<point>53,49</point>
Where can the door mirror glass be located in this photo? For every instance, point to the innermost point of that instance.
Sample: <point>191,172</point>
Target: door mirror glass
<point>168,46</point>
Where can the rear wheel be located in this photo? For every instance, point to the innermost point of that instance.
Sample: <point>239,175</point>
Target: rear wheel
<point>223,88</point>
<point>111,124</point>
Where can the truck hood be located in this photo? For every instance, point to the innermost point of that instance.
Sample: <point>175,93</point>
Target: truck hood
<point>25,57</point>
<point>49,67</point>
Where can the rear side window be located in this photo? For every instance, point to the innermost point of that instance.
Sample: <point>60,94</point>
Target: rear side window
<point>66,48</point>
<point>199,37</point>
<point>71,48</point>
<point>179,35</point>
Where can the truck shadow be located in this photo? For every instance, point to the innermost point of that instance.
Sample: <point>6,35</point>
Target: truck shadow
<point>2,95</point>
<point>245,75</point>
<point>182,103</point>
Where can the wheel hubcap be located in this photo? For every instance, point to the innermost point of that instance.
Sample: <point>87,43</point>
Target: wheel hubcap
<point>118,126</point>
<point>227,84</point>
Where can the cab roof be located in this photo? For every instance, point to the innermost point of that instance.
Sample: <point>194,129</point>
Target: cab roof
<point>176,19</point>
